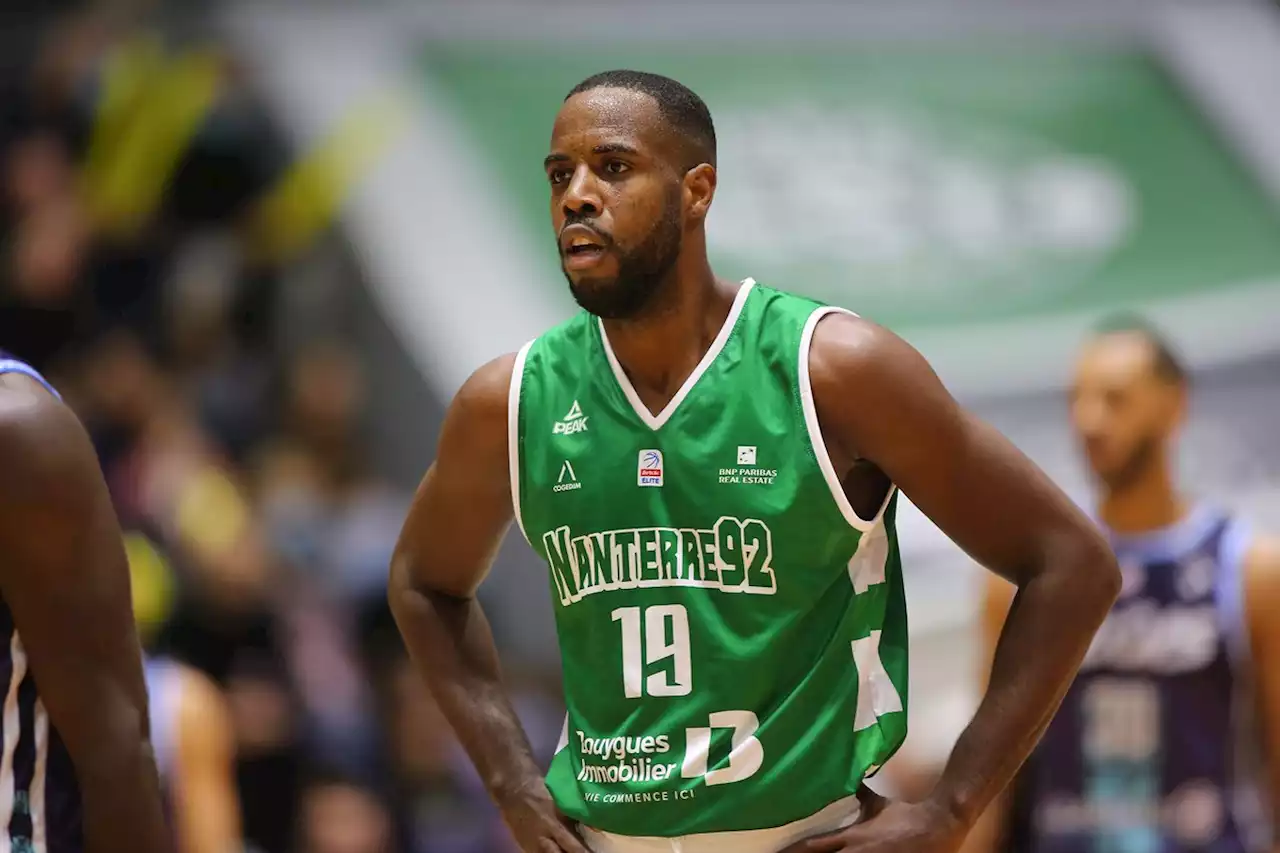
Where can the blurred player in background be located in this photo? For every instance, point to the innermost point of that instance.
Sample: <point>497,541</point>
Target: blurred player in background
<point>190,724</point>
<point>1155,748</point>
<point>77,770</point>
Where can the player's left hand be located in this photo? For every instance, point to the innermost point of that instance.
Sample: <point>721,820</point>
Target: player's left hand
<point>893,828</point>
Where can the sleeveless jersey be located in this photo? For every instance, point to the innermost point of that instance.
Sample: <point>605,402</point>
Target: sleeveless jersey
<point>1143,756</point>
<point>733,636</point>
<point>39,795</point>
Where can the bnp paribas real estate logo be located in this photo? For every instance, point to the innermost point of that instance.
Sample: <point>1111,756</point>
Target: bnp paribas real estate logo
<point>912,211</point>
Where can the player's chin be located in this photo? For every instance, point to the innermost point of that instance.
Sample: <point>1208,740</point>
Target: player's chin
<point>1101,460</point>
<point>595,285</point>
<point>1106,471</point>
<point>599,296</point>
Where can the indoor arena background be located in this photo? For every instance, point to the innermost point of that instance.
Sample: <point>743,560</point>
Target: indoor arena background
<point>259,246</point>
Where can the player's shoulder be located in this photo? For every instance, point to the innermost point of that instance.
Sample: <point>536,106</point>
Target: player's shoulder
<point>476,424</point>
<point>40,437</point>
<point>1262,562</point>
<point>486,391</point>
<point>1260,581</point>
<point>848,352</point>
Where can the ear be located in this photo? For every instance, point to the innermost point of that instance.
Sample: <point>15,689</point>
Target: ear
<point>699,190</point>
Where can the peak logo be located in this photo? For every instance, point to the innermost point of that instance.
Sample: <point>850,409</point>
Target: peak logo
<point>573,422</point>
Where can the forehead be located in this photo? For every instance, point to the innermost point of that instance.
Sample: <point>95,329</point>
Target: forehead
<point>605,115</point>
<point>1122,358</point>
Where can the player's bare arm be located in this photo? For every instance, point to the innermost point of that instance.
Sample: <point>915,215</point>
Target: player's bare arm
<point>206,806</point>
<point>65,579</point>
<point>459,516</point>
<point>1262,600</point>
<point>879,401</point>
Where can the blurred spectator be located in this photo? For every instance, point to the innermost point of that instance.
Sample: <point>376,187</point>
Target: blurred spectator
<point>37,169</point>
<point>258,533</point>
<point>42,305</point>
<point>319,494</point>
<point>341,816</point>
<point>447,809</point>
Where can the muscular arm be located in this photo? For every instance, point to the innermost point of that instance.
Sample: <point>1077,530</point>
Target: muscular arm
<point>206,806</point>
<point>1262,603</point>
<point>457,521</point>
<point>878,400</point>
<point>64,576</point>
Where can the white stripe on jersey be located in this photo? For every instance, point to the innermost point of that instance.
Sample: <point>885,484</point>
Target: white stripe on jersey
<point>12,729</point>
<point>39,833</point>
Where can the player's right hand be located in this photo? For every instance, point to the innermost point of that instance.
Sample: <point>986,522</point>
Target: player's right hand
<point>538,826</point>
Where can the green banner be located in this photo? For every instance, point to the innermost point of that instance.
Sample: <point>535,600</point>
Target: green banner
<point>925,188</point>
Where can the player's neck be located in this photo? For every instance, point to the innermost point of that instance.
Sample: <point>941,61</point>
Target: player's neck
<point>660,348</point>
<point>1150,502</point>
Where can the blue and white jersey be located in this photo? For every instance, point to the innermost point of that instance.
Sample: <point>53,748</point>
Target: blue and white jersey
<point>1144,755</point>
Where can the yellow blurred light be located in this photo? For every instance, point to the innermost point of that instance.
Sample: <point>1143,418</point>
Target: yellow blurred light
<point>152,107</point>
<point>152,582</point>
<point>211,514</point>
<point>309,195</point>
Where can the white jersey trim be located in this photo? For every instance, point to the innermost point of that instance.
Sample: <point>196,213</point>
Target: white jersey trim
<point>842,813</point>
<point>1232,590</point>
<point>12,732</point>
<point>513,434</point>
<point>648,418</point>
<point>39,818</point>
<point>815,429</point>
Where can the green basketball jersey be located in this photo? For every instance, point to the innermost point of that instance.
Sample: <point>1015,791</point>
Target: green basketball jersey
<point>733,635</point>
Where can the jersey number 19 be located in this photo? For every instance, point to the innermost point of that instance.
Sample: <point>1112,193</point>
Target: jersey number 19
<point>660,633</point>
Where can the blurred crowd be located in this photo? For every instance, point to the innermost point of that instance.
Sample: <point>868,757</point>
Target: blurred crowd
<point>144,275</point>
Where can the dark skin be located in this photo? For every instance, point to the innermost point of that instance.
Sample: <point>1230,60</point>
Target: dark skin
<point>885,416</point>
<point>65,578</point>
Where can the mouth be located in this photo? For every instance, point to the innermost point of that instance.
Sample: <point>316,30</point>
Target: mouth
<point>581,247</point>
<point>582,257</point>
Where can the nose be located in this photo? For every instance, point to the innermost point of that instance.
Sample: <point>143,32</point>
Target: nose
<point>581,197</point>
<point>1090,417</point>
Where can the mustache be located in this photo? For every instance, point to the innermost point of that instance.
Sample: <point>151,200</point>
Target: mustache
<point>606,239</point>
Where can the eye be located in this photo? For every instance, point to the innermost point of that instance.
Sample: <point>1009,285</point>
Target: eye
<point>559,176</point>
<point>616,167</point>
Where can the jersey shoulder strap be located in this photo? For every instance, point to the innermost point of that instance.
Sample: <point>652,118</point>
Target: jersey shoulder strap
<point>1233,614</point>
<point>9,364</point>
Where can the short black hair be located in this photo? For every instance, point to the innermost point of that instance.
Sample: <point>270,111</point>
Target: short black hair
<point>1165,361</point>
<point>680,106</point>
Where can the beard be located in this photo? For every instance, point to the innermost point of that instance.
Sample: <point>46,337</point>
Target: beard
<point>641,272</point>
<point>1131,469</point>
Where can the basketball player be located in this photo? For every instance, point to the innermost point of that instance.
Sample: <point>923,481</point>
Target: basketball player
<point>710,470</point>
<point>76,771</point>
<point>191,728</point>
<point>1142,755</point>
<point>195,752</point>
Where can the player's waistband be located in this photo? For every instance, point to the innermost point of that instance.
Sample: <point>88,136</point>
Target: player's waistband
<point>838,815</point>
